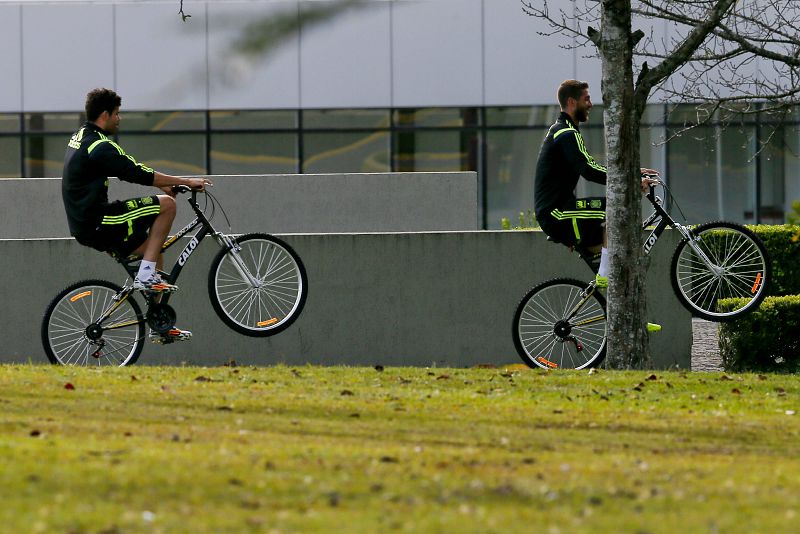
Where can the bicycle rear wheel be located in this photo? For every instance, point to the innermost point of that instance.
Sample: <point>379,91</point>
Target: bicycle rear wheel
<point>729,262</point>
<point>71,334</point>
<point>275,296</point>
<point>558,326</point>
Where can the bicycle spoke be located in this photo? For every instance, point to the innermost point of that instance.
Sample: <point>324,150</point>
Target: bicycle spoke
<point>66,332</point>
<point>560,307</point>
<point>275,297</point>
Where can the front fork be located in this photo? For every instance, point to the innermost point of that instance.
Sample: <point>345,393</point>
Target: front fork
<point>233,247</point>
<point>692,242</point>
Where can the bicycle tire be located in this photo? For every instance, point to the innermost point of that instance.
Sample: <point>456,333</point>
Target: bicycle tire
<point>545,339</point>
<point>270,308</point>
<point>67,319</point>
<point>744,271</point>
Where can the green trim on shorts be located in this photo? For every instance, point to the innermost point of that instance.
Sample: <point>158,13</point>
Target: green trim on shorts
<point>582,214</point>
<point>132,215</point>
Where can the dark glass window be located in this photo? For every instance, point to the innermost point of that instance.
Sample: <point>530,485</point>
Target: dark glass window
<point>161,121</point>
<point>253,120</point>
<point>254,153</point>
<point>335,119</point>
<point>179,154</point>
<point>9,123</point>
<point>346,152</point>
<point>53,122</point>
<point>9,157</point>
<point>436,117</point>
<point>541,116</point>
<point>44,155</point>
<point>510,169</point>
<point>436,151</point>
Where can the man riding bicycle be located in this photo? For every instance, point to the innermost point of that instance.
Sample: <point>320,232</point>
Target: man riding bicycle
<point>136,226</point>
<point>563,159</point>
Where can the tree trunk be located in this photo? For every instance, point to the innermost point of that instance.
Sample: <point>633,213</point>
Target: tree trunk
<point>627,304</point>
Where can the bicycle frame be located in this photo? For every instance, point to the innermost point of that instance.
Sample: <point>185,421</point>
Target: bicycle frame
<point>664,220</point>
<point>206,228</point>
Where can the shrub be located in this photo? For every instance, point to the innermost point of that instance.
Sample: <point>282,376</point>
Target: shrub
<point>766,340</point>
<point>783,247</point>
<point>526,222</point>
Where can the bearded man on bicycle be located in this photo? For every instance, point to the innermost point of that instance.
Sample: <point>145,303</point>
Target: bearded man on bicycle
<point>136,226</point>
<point>563,159</point>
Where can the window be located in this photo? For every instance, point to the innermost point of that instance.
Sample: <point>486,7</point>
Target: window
<point>161,121</point>
<point>253,120</point>
<point>10,157</point>
<point>44,155</point>
<point>510,170</point>
<point>346,152</point>
<point>179,154</point>
<point>53,122</point>
<point>253,153</point>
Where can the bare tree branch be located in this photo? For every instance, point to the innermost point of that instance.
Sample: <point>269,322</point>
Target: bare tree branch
<point>183,15</point>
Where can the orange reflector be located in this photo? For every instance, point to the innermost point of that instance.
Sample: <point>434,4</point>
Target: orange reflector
<point>547,362</point>
<point>80,296</point>
<point>756,284</point>
<point>267,323</point>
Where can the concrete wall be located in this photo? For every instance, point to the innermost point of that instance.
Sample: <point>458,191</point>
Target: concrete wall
<point>444,299</point>
<point>289,203</point>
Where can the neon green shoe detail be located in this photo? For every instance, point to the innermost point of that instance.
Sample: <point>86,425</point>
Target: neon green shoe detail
<point>601,282</point>
<point>653,327</point>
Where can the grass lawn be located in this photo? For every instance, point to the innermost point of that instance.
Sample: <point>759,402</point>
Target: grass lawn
<point>335,449</point>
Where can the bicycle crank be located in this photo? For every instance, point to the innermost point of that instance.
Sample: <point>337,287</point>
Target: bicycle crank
<point>161,317</point>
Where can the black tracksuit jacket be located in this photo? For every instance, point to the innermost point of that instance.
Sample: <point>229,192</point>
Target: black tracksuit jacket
<point>563,159</point>
<point>90,159</point>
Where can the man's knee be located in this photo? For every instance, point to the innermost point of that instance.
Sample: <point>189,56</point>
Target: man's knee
<point>167,204</point>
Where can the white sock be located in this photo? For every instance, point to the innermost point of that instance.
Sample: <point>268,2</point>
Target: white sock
<point>146,270</point>
<point>603,270</point>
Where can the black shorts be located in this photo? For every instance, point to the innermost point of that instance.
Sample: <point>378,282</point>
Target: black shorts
<point>579,222</point>
<point>124,227</point>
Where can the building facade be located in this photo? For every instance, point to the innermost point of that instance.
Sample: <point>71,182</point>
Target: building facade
<point>354,86</point>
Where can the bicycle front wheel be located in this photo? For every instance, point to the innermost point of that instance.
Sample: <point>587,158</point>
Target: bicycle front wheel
<point>558,326</point>
<point>90,324</point>
<point>259,287</point>
<point>722,261</point>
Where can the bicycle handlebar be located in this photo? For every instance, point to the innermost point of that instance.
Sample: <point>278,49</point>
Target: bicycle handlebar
<point>181,189</point>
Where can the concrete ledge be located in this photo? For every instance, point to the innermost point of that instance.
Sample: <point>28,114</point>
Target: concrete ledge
<point>286,203</point>
<point>421,299</point>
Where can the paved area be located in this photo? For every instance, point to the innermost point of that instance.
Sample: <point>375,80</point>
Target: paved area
<point>705,346</point>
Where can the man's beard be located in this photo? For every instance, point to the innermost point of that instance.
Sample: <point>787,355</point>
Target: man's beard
<point>582,115</point>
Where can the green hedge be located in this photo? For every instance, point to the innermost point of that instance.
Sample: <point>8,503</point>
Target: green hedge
<point>766,340</point>
<point>783,247</point>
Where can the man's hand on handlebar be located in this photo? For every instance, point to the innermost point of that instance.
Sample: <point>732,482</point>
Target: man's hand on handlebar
<point>199,184</point>
<point>649,178</point>
<point>196,184</point>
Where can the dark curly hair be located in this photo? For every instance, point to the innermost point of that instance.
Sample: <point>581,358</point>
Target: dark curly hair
<point>100,100</point>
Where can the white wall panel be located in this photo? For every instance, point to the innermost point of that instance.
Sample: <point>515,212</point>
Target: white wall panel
<point>161,60</point>
<point>346,60</point>
<point>10,61</point>
<point>522,67</point>
<point>67,50</point>
<point>270,80</point>
<point>437,52</point>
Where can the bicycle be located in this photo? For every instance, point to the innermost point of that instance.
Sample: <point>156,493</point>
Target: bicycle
<point>257,285</point>
<point>561,323</point>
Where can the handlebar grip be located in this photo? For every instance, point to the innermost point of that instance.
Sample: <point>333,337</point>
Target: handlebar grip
<point>181,189</point>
